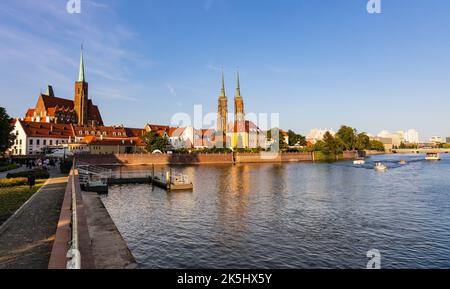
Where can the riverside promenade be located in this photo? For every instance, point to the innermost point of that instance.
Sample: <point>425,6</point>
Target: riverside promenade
<point>26,239</point>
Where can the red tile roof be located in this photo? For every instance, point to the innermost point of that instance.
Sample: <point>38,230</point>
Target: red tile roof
<point>52,101</point>
<point>134,132</point>
<point>242,126</point>
<point>30,113</point>
<point>47,130</point>
<point>176,131</point>
<point>105,131</point>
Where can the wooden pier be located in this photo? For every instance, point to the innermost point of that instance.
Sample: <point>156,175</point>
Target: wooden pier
<point>96,179</point>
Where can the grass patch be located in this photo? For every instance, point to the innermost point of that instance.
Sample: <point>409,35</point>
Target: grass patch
<point>12,198</point>
<point>7,183</point>
<point>5,168</point>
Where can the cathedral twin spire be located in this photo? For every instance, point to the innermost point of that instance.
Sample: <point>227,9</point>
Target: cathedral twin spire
<point>239,114</point>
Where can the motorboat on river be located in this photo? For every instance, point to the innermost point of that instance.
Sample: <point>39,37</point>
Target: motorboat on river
<point>379,167</point>
<point>433,157</point>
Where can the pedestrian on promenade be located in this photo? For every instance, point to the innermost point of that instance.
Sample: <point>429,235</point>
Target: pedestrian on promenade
<point>31,180</point>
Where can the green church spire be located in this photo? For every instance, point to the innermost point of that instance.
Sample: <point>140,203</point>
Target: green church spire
<point>81,77</point>
<point>238,89</point>
<point>222,92</point>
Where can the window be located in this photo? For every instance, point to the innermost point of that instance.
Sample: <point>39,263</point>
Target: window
<point>93,133</point>
<point>45,142</point>
<point>57,142</point>
<point>81,132</point>
<point>51,142</point>
<point>38,142</point>
<point>20,142</point>
<point>31,142</point>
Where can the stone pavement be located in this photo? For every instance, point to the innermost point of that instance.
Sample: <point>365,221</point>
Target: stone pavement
<point>26,239</point>
<point>109,248</point>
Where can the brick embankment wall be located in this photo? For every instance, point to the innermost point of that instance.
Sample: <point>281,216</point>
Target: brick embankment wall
<point>156,159</point>
<point>188,159</point>
<point>348,156</point>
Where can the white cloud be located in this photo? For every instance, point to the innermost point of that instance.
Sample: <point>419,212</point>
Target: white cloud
<point>171,89</point>
<point>39,43</point>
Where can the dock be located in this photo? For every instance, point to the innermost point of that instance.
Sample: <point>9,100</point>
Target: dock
<point>97,179</point>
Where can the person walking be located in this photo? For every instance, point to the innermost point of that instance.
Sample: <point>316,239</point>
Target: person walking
<point>31,180</point>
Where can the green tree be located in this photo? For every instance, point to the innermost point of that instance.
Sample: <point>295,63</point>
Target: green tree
<point>296,139</point>
<point>318,146</point>
<point>362,142</point>
<point>348,137</point>
<point>280,141</point>
<point>377,146</point>
<point>332,145</point>
<point>6,136</point>
<point>155,142</point>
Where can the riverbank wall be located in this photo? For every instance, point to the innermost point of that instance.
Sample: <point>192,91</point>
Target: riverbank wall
<point>198,159</point>
<point>86,224</point>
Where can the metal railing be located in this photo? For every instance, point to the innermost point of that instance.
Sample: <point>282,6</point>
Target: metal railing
<point>74,255</point>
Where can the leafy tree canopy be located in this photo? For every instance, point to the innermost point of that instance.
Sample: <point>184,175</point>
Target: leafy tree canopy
<point>6,136</point>
<point>348,137</point>
<point>296,139</point>
<point>155,142</point>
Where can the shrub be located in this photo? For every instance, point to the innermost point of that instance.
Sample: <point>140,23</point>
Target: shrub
<point>7,183</point>
<point>5,168</point>
<point>38,174</point>
<point>66,166</point>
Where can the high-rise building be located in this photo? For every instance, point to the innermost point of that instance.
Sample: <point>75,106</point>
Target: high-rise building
<point>412,136</point>
<point>436,139</point>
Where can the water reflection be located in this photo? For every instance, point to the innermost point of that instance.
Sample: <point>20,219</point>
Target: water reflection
<point>291,216</point>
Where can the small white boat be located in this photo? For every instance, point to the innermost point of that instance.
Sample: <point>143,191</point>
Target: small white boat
<point>380,167</point>
<point>433,157</point>
<point>359,162</point>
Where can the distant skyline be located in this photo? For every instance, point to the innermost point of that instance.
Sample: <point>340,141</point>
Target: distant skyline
<point>317,63</point>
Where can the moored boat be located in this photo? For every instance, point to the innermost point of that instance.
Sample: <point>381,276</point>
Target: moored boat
<point>359,162</point>
<point>433,157</point>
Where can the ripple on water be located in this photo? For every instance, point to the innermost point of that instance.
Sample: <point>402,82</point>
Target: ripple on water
<point>291,216</point>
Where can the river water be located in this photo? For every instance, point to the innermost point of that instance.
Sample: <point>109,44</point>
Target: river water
<point>298,215</point>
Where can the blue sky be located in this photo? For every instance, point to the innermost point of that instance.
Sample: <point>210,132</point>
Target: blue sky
<point>319,63</point>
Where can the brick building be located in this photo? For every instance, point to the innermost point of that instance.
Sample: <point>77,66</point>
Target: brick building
<point>80,110</point>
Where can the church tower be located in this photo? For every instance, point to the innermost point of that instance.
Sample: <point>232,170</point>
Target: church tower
<point>81,102</point>
<point>222,120</point>
<point>239,114</point>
